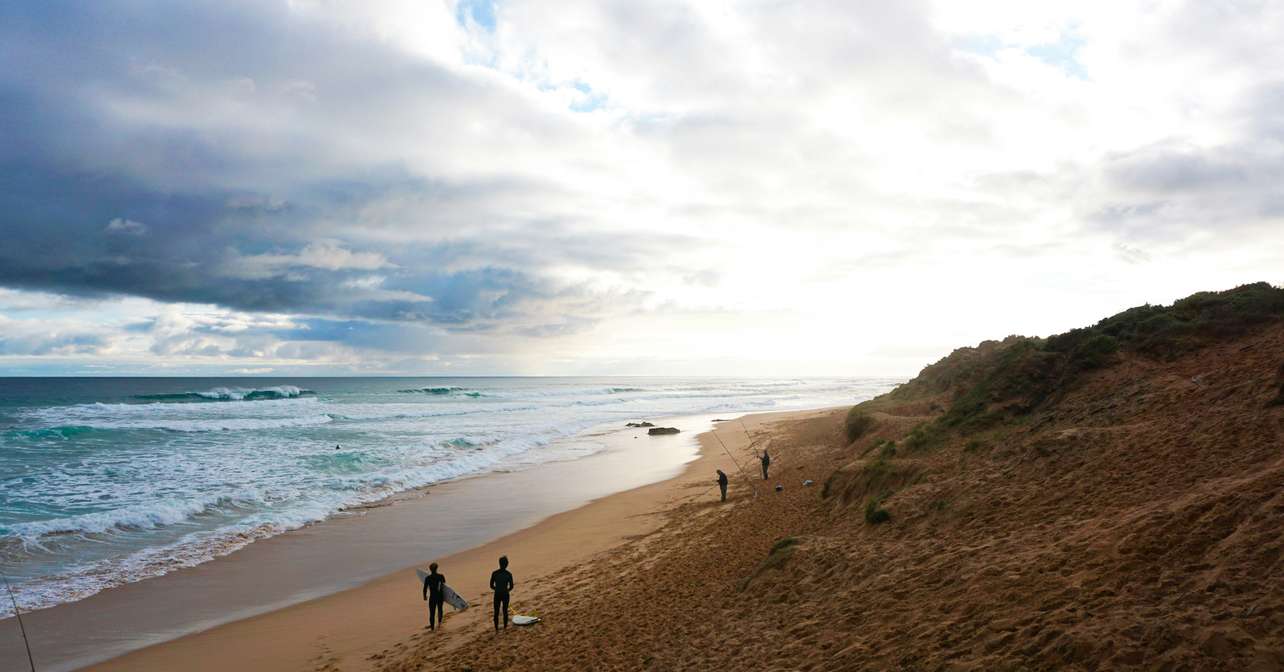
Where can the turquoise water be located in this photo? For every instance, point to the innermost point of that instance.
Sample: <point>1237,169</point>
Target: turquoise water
<point>107,481</point>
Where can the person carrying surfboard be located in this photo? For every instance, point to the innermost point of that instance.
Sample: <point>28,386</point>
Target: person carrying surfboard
<point>434,584</point>
<point>722,483</point>
<point>501,581</point>
<point>766,462</point>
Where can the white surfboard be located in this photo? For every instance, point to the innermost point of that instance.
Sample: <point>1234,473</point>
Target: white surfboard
<point>453,599</point>
<point>525,620</point>
<point>447,593</point>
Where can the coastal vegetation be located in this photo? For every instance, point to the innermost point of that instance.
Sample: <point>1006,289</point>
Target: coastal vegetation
<point>998,382</point>
<point>874,513</point>
<point>857,423</point>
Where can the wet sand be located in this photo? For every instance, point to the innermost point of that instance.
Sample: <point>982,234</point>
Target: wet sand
<point>345,584</point>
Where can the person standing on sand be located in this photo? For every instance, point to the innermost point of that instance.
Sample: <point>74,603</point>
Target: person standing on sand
<point>722,484</point>
<point>501,581</point>
<point>434,584</point>
<point>766,462</point>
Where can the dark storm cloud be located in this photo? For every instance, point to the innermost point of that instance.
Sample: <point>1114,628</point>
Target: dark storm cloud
<point>124,169</point>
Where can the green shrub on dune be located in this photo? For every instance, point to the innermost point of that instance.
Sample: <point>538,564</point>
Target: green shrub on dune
<point>1094,353</point>
<point>1195,321</point>
<point>975,396</point>
<point>874,513</point>
<point>858,423</point>
<point>924,435</point>
<point>998,380</point>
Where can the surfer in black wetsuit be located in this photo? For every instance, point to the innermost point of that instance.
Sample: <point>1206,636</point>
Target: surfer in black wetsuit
<point>434,584</point>
<point>722,484</point>
<point>501,581</point>
<point>766,462</point>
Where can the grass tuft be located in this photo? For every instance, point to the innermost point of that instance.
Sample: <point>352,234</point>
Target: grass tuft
<point>858,423</point>
<point>780,553</point>
<point>924,436</point>
<point>874,513</point>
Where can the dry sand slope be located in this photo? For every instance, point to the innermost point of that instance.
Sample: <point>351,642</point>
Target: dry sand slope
<point>1135,521</point>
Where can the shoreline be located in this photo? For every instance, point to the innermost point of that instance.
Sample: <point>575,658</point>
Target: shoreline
<point>345,551</point>
<point>350,628</point>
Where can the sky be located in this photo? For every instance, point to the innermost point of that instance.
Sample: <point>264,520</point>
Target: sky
<point>522,187</point>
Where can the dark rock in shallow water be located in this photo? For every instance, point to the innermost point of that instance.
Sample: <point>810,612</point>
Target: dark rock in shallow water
<point>662,430</point>
<point>639,424</point>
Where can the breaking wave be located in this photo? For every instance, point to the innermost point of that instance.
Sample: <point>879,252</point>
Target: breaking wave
<point>232,394</point>
<point>443,391</point>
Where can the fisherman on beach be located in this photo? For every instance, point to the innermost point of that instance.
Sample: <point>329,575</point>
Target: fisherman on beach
<point>434,585</point>
<point>722,484</point>
<point>766,462</point>
<point>501,581</point>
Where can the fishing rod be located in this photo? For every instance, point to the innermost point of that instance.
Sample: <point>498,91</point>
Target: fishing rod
<point>748,436</point>
<point>775,461</point>
<point>733,461</point>
<point>698,494</point>
<point>744,429</point>
<point>18,614</point>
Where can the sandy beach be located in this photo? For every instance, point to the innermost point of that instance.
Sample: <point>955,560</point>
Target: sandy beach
<point>356,629</point>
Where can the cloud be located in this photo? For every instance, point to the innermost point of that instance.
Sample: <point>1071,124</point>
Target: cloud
<point>326,255</point>
<point>128,226</point>
<point>1132,255</point>
<point>1170,169</point>
<point>535,182</point>
<point>1176,190</point>
<point>41,338</point>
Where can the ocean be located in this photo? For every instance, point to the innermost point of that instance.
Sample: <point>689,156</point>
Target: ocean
<point>105,481</point>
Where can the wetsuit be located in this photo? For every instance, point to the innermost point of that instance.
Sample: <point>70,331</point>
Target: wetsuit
<point>722,485</point>
<point>433,585</point>
<point>766,462</point>
<point>501,581</point>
